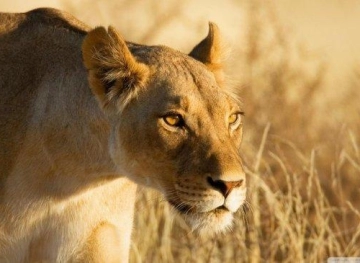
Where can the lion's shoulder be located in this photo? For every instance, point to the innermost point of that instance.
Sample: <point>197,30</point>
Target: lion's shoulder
<point>40,52</point>
<point>48,17</point>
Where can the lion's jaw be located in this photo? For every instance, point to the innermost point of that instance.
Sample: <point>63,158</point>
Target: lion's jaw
<point>212,212</point>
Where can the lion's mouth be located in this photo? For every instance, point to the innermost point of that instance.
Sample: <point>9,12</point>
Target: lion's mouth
<point>205,223</point>
<point>221,208</point>
<point>219,211</point>
<point>187,209</point>
<point>210,215</point>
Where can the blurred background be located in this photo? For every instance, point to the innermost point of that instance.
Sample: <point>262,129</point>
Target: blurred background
<point>296,65</point>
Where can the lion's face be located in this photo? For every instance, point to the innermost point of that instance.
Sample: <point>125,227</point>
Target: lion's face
<point>180,132</point>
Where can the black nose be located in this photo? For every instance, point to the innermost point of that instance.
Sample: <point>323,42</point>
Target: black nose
<point>225,187</point>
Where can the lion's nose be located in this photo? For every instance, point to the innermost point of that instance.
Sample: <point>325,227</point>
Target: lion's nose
<point>225,187</point>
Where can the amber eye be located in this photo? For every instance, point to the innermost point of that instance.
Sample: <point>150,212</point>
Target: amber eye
<point>174,120</point>
<point>233,118</point>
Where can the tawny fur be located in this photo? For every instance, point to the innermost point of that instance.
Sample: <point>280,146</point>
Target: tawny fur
<point>82,119</point>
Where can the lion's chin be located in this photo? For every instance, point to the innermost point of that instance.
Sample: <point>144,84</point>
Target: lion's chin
<point>209,223</point>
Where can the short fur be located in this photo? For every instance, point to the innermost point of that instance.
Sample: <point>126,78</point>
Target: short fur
<point>72,153</point>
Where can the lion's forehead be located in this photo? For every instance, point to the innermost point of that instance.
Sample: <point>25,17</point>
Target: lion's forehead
<point>180,82</point>
<point>167,62</point>
<point>190,99</point>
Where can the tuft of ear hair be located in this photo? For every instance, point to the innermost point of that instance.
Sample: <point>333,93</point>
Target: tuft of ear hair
<point>115,77</point>
<point>210,52</point>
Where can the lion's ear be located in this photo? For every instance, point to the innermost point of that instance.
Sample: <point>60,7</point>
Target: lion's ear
<point>210,52</point>
<point>115,76</point>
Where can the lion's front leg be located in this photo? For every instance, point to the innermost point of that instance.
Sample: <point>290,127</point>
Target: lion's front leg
<point>105,245</point>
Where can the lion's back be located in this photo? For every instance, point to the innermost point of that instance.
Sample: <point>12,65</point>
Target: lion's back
<point>34,47</point>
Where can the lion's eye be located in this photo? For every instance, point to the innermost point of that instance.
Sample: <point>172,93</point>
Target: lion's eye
<point>235,119</point>
<point>174,120</point>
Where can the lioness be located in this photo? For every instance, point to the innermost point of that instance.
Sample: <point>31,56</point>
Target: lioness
<point>85,116</point>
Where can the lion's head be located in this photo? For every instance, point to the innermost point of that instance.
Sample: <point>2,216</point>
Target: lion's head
<point>175,126</point>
